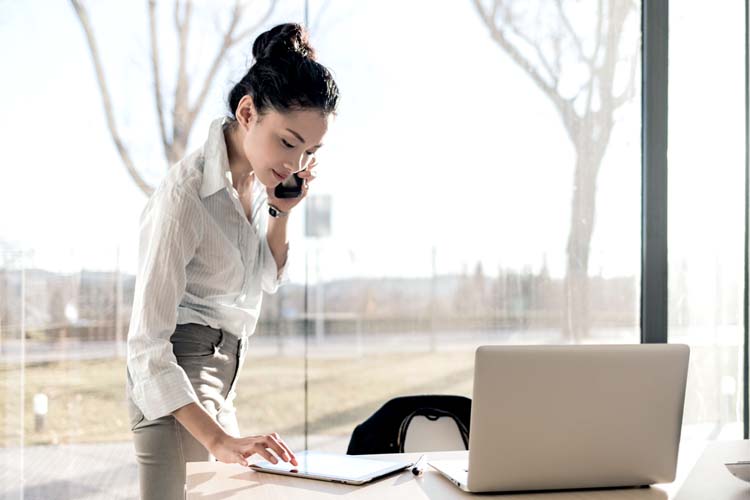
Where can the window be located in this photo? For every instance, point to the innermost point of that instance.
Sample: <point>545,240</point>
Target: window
<point>450,173</point>
<point>481,185</point>
<point>706,210</point>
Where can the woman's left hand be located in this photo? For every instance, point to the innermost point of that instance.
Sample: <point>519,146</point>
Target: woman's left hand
<point>286,204</point>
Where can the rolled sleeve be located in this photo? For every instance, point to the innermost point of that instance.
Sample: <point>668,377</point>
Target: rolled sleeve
<point>272,277</point>
<point>164,393</point>
<point>168,239</point>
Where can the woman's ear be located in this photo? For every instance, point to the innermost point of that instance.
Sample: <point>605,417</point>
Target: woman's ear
<point>246,114</point>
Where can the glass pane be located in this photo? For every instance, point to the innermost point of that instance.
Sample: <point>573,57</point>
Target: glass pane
<point>706,210</point>
<point>472,199</point>
<point>12,284</point>
<point>69,231</point>
<point>484,189</point>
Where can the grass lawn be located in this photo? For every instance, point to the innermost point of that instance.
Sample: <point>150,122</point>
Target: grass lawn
<point>87,398</point>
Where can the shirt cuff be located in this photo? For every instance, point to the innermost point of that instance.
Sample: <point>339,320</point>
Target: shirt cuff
<point>161,394</point>
<point>273,277</point>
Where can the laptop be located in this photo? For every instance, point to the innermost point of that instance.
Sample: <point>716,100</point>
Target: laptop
<point>334,467</point>
<point>572,417</point>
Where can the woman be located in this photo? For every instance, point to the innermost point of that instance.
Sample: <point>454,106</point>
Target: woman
<point>213,239</point>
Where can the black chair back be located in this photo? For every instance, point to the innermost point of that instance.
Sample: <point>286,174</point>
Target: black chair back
<point>385,430</point>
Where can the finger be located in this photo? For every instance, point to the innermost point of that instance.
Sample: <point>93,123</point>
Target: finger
<point>257,445</point>
<point>286,447</point>
<point>311,166</point>
<point>233,457</point>
<point>306,174</point>
<point>287,454</point>
<point>263,452</point>
<point>276,447</point>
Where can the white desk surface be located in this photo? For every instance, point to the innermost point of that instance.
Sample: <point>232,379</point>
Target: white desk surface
<point>708,480</point>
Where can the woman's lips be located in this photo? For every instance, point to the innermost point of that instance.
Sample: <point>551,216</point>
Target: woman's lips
<point>278,175</point>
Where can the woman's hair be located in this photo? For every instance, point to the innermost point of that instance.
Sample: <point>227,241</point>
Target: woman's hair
<point>285,75</point>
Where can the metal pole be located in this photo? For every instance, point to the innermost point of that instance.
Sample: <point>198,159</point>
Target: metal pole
<point>118,308</point>
<point>307,280</point>
<point>654,271</point>
<point>23,374</point>
<point>746,292</point>
<point>319,299</point>
<point>306,325</point>
<point>433,300</point>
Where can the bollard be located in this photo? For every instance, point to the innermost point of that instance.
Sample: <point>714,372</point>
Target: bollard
<point>40,411</point>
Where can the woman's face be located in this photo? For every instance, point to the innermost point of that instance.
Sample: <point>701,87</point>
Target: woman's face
<point>280,144</point>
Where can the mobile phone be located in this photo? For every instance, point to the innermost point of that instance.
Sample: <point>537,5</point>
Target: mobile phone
<point>291,187</point>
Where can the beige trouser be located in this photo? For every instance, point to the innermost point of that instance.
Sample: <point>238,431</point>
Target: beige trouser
<point>212,360</point>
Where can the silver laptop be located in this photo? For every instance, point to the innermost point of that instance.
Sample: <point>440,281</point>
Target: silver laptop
<point>573,417</point>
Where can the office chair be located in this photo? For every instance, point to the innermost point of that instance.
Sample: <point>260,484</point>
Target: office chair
<point>414,424</point>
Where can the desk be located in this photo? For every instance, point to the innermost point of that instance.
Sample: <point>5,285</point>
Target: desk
<point>214,480</point>
<point>710,480</point>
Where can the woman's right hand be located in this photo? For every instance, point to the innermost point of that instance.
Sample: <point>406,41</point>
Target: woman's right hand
<point>232,450</point>
<point>226,448</point>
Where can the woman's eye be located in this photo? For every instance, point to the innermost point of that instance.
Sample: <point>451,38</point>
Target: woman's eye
<point>286,143</point>
<point>310,153</point>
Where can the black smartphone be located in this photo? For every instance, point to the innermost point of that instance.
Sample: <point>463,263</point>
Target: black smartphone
<point>291,187</point>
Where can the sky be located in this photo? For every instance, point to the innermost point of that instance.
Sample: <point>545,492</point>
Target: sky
<point>441,142</point>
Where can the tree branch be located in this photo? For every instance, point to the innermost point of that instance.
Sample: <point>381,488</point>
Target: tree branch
<point>179,130</point>
<point>598,41</point>
<point>227,42</point>
<point>629,91</point>
<point>82,15</point>
<point>618,13</point>
<point>596,72</point>
<point>253,28</point>
<point>157,80</point>
<point>557,49</point>
<point>508,18</point>
<point>572,33</point>
<point>497,35</point>
<point>176,13</point>
<point>313,28</point>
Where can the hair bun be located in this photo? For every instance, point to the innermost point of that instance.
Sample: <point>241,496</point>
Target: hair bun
<point>283,41</point>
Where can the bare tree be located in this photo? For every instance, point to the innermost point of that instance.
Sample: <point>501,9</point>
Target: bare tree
<point>577,74</point>
<point>175,124</point>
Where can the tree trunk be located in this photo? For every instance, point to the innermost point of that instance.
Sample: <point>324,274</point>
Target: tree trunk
<point>589,154</point>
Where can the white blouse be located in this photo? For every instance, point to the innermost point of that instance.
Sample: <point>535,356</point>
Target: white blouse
<point>200,260</point>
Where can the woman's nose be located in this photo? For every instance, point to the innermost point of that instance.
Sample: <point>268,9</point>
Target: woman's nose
<point>289,168</point>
